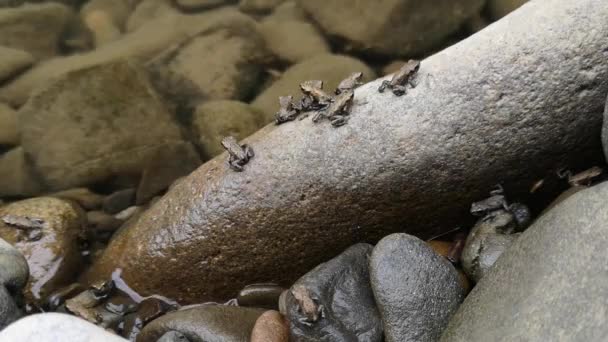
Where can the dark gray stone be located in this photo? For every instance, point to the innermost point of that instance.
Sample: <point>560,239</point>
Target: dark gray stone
<point>14,273</point>
<point>340,290</point>
<point>416,290</point>
<point>412,163</point>
<point>550,285</point>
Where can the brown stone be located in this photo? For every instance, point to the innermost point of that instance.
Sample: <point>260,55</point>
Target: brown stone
<point>270,327</point>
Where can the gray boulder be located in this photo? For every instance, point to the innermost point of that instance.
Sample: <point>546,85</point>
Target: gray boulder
<point>412,163</point>
<point>417,290</point>
<point>14,273</point>
<point>550,285</point>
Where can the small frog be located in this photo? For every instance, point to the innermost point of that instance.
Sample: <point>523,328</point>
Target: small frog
<point>307,306</point>
<point>582,178</point>
<point>350,83</point>
<point>402,78</point>
<point>286,112</point>
<point>314,96</point>
<point>339,110</point>
<point>239,155</point>
<point>497,200</point>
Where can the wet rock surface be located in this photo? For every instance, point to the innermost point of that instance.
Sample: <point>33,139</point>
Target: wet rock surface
<point>553,277</point>
<point>14,273</point>
<point>9,132</point>
<point>211,323</point>
<point>260,296</point>
<point>334,301</point>
<point>87,199</point>
<point>390,27</point>
<point>125,123</point>
<point>13,61</point>
<point>303,174</point>
<point>45,230</point>
<point>416,290</point>
<point>17,175</point>
<point>270,327</point>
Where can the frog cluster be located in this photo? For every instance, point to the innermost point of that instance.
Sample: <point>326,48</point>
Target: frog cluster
<point>333,107</point>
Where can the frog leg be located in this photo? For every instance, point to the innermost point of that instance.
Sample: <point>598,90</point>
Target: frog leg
<point>248,151</point>
<point>383,86</point>
<point>235,166</point>
<point>399,90</point>
<point>339,120</point>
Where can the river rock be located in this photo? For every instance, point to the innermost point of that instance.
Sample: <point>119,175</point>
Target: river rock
<point>289,10</point>
<point>327,67</point>
<point>87,199</point>
<point>214,120</point>
<point>392,168</point>
<point>18,176</point>
<point>36,29</point>
<point>199,5</point>
<point>51,249</point>
<point>13,61</point>
<point>14,273</point>
<point>148,10</point>
<point>551,284</point>
<point>270,327</point>
<point>260,296</point>
<point>142,45</point>
<point>258,6</point>
<point>293,41</point>
<point>394,27</point>
<point>334,301</point>
<point>125,125</point>
<point>9,130</point>
<point>105,19</point>
<point>605,130</point>
<point>209,323</point>
<point>499,8</point>
<point>119,201</point>
<point>53,327</point>
<point>417,291</point>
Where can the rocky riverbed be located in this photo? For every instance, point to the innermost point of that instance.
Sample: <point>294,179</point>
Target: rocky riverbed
<point>303,170</point>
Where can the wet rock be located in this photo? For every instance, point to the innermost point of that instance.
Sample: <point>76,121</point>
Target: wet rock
<point>148,10</point>
<point>293,41</point>
<point>36,29</point>
<point>13,61</point>
<point>148,310</point>
<point>553,277</point>
<point>165,166</point>
<point>87,199</point>
<point>14,273</point>
<point>210,323</point>
<point>9,131</point>
<point>395,27</point>
<point>119,201</point>
<point>260,296</point>
<point>17,175</point>
<point>51,327</point>
<point>129,212</point>
<point>334,187</point>
<point>214,120</point>
<point>125,124</point>
<point>199,5</point>
<point>51,248</point>
<point>226,63</point>
<point>334,301</point>
<point>270,327</point>
<point>101,224</point>
<point>488,239</point>
<point>141,45</point>
<point>259,6</point>
<point>441,247</point>
<point>499,8</point>
<point>417,291</point>
<point>330,68</point>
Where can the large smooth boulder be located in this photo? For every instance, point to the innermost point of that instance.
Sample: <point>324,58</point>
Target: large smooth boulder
<point>76,138</point>
<point>550,285</point>
<point>410,164</point>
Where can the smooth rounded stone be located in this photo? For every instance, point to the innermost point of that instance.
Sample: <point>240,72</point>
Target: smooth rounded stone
<point>416,290</point>
<point>259,6</point>
<point>102,27</point>
<point>12,62</point>
<point>199,5</point>
<point>393,27</point>
<point>488,239</point>
<point>214,120</point>
<point>441,247</point>
<point>499,8</point>
<point>9,130</point>
<point>289,10</point>
<point>223,63</point>
<point>36,29</point>
<point>209,323</point>
<point>465,123</point>
<point>329,68</point>
<point>129,212</point>
<point>119,201</point>
<point>293,41</point>
<point>334,301</point>
<point>164,167</point>
<point>17,175</point>
<point>111,129</point>
<point>260,296</point>
<point>148,10</point>
<point>142,45</point>
<point>100,222</point>
<point>50,248</point>
<point>270,327</point>
<point>550,285</point>
<point>14,273</point>
<point>87,199</point>
<point>53,327</point>
<point>17,3</point>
